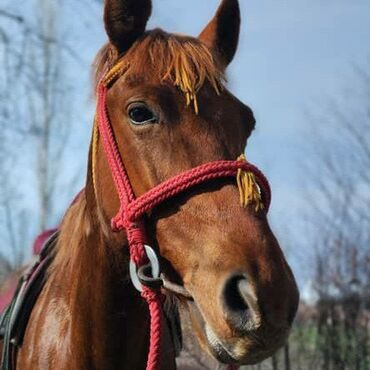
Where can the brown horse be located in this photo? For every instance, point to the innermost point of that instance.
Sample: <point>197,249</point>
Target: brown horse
<point>170,112</point>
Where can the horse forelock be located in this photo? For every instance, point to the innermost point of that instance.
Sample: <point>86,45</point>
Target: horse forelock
<point>182,61</point>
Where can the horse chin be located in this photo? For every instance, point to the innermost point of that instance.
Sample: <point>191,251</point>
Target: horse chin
<point>242,351</point>
<point>218,349</point>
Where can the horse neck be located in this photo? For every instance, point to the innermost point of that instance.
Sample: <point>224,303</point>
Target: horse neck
<point>109,322</point>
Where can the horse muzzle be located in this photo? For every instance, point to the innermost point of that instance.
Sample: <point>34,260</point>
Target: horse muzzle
<point>252,336</point>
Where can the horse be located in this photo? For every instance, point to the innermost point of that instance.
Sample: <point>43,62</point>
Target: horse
<point>163,171</point>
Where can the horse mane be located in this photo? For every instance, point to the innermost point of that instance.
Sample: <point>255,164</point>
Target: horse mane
<point>74,229</point>
<point>182,61</point>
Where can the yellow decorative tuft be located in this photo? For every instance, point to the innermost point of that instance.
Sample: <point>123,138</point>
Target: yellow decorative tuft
<point>117,71</point>
<point>190,65</point>
<point>179,60</point>
<point>248,188</point>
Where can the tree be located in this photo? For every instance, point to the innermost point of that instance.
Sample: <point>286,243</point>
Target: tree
<point>35,120</point>
<point>48,105</point>
<point>13,226</point>
<point>339,183</point>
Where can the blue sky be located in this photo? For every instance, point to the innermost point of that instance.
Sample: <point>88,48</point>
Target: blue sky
<point>294,55</point>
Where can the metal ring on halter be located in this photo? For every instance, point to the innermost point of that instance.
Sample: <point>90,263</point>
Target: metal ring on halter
<point>153,263</point>
<point>144,273</point>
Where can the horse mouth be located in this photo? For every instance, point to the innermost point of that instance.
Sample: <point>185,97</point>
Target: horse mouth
<point>239,353</point>
<point>218,349</point>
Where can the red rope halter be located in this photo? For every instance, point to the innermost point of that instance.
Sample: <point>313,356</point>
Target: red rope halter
<point>131,211</point>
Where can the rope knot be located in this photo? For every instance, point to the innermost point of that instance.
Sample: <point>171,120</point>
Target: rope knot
<point>117,224</point>
<point>136,240</point>
<point>136,234</point>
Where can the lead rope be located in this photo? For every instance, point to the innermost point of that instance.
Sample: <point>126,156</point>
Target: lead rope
<point>131,210</point>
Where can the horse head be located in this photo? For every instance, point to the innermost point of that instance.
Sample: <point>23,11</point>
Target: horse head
<point>171,110</point>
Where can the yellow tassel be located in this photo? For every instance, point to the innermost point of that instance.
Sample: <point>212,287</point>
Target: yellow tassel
<point>196,108</point>
<point>248,188</point>
<point>115,72</point>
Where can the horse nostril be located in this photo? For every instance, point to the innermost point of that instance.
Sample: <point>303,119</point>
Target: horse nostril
<point>233,299</point>
<point>240,302</point>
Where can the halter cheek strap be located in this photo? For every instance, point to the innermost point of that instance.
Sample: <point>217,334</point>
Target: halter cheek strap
<point>252,184</point>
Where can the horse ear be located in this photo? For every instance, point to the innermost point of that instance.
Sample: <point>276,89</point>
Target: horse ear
<point>222,33</point>
<point>125,21</point>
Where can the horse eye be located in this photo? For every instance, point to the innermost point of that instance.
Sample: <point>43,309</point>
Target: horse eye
<point>140,114</point>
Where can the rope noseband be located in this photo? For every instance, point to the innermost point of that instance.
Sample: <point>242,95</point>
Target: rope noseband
<point>252,184</point>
